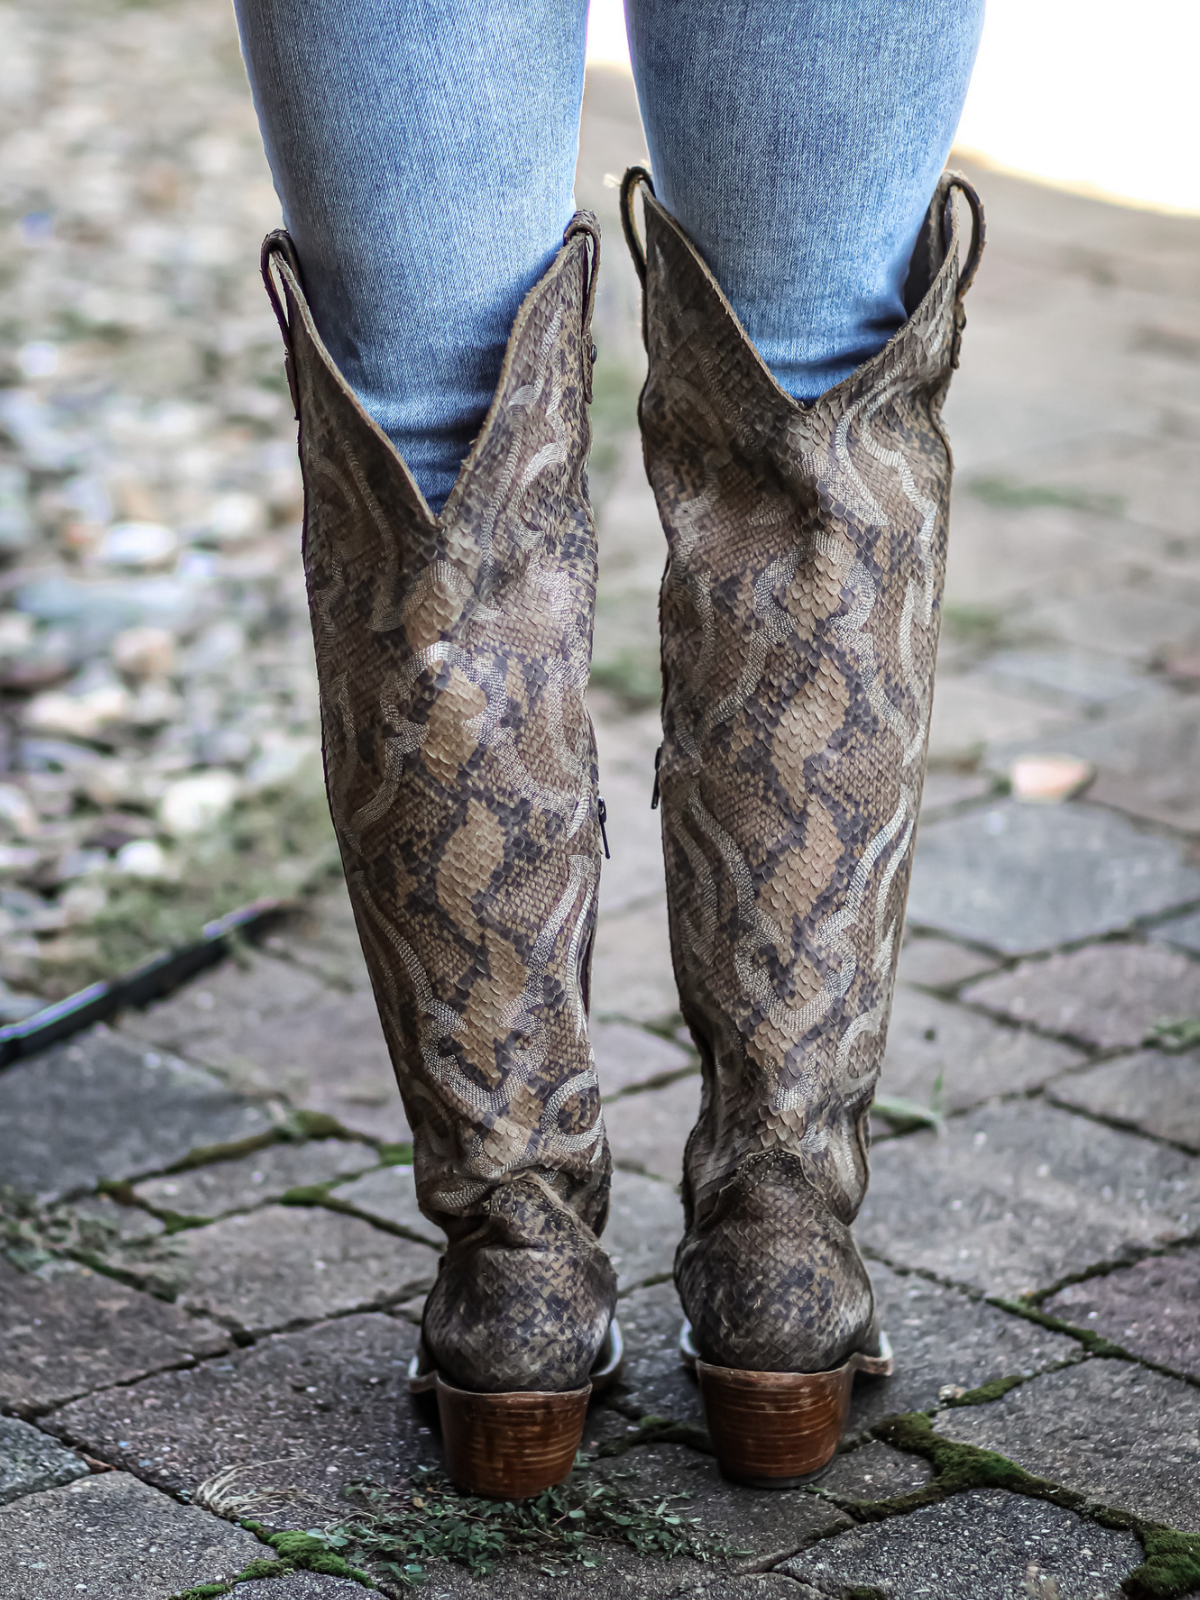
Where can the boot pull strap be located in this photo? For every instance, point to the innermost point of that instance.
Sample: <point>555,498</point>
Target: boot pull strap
<point>278,250</point>
<point>630,184</point>
<point>584,222</point>
<point>956,181</point>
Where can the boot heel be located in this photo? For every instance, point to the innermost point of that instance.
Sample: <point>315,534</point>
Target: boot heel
<point>510,1446</point>
<point>775,1430</point>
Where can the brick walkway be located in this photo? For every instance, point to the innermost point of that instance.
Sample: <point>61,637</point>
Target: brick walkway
<point>216,1261</point>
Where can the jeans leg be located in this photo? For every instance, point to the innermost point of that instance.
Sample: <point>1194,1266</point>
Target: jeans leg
<point>798,142</point>
<point>424,154</point>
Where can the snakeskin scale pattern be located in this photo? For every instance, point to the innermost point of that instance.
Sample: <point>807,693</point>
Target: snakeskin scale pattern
<point>799,613</point>
<point>452,656</point>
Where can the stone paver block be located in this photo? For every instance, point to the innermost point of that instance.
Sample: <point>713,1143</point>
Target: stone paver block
<point>648,1130</point>
<point>874,1471</point>
<point>1015,1197</point>
<point>984,1545</point>
<point>939,963</point>
<point>944,1339</point>
<point>1181,931</point>
<point>628,1056</point>
<point>1112,1430</point>
<point>1076,680</point>
<point>937,1050</point>
<point>300,1414</point>
<point>755,1521</point>
<point>390,1196</point>
<point>1146,761</point>
<point>1025,878</point>
<point>103,1107</point>
<point>109,1537</point>
<point>1151,1309</point>
<point>31,1462</point>
<point>645,1222</point>
<point>969,713</point>
<point>654,1382</point>
<point>632,978</point>
<point>634,873</point>
<point>1109,995</point>
<point>1135,625</point>
<point>1156,477</point>
<point>287,1264</point>
<point>230,996</point>
<point>1152,1091</point>
<point>619,1574</point>
<point>256,1179</point>
<point>64,1333</point>
<point>1000,561</point>
<point>326,1054</point>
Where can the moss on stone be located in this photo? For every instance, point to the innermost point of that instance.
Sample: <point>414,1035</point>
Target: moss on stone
<point>208,1155</point>
<point>1171,1568</point>
<point>958,1467</point>
<point>656,1430</point>
<point>314,1555</point>
<point>311,1194</point>
<point>396,1155</point>
<point>263,1567</point>
<point>1093,1343</point>
<point>316,1125</point>
<point>986,1392</point>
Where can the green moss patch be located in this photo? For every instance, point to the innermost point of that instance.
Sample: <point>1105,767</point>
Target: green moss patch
<point>986,1392</point>
<point>1093,1343</point>
<point>297,1552</point>
<point>1171,1568</point>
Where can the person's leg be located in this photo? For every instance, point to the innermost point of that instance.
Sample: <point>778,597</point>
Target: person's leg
<point>798,142</point>
<point>424,155</point>
<point>801,469</point>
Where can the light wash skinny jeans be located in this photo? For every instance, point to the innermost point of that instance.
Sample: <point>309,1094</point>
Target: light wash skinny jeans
<point>424,152</point>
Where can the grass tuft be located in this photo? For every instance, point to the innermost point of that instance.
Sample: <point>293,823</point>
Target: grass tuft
<point>401,1535</point>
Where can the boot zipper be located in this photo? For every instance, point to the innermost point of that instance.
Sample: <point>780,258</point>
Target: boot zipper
<point>602,818</point>
<point>654,797</point>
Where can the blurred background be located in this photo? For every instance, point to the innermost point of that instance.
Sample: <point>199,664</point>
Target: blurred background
<point>1090,94</point>
<point>159,759</point>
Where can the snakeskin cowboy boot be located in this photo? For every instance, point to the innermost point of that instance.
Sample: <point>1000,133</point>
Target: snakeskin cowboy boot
<point>799,612</point>
<point>452,657</point>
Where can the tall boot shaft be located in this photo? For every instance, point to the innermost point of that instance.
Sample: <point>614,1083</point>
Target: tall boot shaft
<point>799,612</point>
<point>452,657</point>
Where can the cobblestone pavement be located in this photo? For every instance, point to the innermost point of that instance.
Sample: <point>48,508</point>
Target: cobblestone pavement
<point>213,1261</point>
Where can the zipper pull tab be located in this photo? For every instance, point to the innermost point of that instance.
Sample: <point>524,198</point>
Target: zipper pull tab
<point>602,818</point>
<point>655,796</point>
